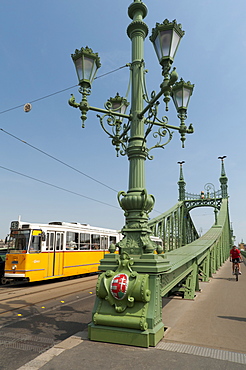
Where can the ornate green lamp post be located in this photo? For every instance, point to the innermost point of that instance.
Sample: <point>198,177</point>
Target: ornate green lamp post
<point>128,308</point>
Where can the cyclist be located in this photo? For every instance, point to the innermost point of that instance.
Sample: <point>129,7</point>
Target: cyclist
<point>235,258</point>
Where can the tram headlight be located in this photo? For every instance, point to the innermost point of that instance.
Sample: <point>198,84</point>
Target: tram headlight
<point>14,267</point>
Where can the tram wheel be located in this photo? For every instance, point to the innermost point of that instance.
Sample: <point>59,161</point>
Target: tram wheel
<point>4,281</point>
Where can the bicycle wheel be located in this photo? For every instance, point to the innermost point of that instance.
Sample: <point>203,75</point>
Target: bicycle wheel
<point>236,273</point>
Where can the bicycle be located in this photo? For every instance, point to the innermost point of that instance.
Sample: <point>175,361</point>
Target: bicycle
<point>236,269</point>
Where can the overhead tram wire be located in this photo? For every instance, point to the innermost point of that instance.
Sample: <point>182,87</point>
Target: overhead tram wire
<point>65,164</point>
<point>41,151</point>
<point>58,187</point>
<point>58,160</point>
<point>60,91</point>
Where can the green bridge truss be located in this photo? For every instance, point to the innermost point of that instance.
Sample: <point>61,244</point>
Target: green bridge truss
<point>198,260</point>
<point>175,227</point>
<point>192,258</point>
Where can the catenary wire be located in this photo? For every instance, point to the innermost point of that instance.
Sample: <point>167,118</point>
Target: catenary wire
<point>58,187</point>
<point>45,97</point>
<point>56,159</point>
<point>65,164</point>
<point>60,91</point>
<point>41,151</point>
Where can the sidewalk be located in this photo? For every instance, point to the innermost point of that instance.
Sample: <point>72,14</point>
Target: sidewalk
<point>208,332</point>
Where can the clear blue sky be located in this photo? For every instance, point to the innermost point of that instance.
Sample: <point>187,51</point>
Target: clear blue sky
<point>36,41</point>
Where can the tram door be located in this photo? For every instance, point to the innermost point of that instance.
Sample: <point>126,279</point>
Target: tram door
<point>54,247</point>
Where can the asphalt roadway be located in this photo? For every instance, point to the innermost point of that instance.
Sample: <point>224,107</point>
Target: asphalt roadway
<point>207,332</point>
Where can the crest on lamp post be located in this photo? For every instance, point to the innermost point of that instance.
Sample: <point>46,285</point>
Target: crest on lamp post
<point>119,285</point>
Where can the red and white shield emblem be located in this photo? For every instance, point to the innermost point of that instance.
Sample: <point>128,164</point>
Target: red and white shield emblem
<point>119,286</point>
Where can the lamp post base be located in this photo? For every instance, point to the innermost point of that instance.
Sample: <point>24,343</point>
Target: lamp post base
<point>126,336</point>
<point>128,306</point>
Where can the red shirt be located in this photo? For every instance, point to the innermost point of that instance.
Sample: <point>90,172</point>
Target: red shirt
<point>235,253</point>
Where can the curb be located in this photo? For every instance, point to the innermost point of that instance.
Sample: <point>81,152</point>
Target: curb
<point>47,356</point>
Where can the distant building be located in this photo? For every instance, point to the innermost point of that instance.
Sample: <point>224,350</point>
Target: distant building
<point>242,246</point>
<point>2,244</point>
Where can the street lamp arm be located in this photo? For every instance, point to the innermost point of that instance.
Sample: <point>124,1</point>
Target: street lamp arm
<point>73,103</point>
<point>166,88</point>
<point>165,128</point>
<point>151,103</point>
<point>165,125</point>
<point>111,113</point>
<point>188,130</point>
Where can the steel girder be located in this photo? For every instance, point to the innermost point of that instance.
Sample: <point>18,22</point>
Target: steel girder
<point>175,227</point>
<point>198,260</point>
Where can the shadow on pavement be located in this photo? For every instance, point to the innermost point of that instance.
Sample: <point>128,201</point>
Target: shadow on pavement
<point>233,318</point>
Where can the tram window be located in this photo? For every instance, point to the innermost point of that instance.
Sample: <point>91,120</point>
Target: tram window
<point>58,242</point>
<point>95,241</point>
<point>72,240</point>
<point>104,242</point>
<point>84,241</point>
<point>112,239</point>
<point>51,241</point>
<point>21,243</point>
<point>19,240</point>
<point>47,241</point>
<point>35,245</point>
<point>11,245</point>
<point>62,241</point>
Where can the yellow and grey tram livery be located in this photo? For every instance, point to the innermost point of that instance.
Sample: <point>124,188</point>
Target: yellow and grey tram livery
<point>58,249</point>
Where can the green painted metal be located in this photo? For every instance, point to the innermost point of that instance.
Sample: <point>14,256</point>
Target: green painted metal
<point>178,270</point>
<point>223,178</point>
<point>134,319</point>
<point>181,183</point>
<point>128,306</point>
<point>199,259</point>
<point>204,268</point>
<point>136,203</point>
<point>175,227</point>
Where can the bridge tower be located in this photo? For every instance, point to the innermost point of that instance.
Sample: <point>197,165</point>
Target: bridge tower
<point>181,182</point>
<point>223,179</point>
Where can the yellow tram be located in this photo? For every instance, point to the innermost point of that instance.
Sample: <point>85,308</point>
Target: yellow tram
<point>57,249</point>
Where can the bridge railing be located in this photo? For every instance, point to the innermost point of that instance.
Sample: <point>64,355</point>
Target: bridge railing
<point>206,195</point>
<point>175,227</point>
<point>199,260</point>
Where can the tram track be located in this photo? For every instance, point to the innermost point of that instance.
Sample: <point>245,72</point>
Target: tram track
<point>14,299</point>
<point>48,314</point>
<point>51,284</point>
